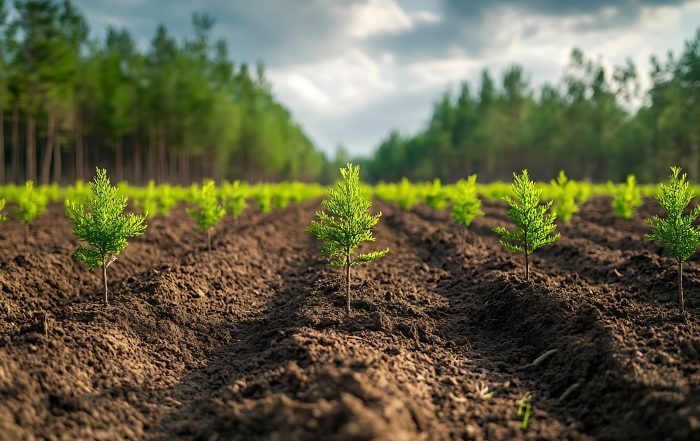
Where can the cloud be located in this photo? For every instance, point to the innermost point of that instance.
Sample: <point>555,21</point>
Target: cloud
<point>351,70</point>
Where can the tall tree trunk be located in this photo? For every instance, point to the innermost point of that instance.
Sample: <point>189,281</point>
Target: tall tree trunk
<point>31,148</point>
<point>48,150</point>
<point>2,143</point>
<point>57,164</point>
<point>119,158</point>
<point>151,152</point>
<point>15,145</point>
<point>79,148</point>
<point>161,153</point>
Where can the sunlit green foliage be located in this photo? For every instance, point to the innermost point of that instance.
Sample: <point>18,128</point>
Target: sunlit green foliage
<point>466,205</point>
<point>435,195</point>
<point>345,224</point>
<point>565,192</point>
<point>30,204</point>
<point>207,212</point>
<point>104,226</point>
<point>534,228</point>
<point>234,198</point>
<point>3,216</point>
<point>627,198</point>
<point>676,231</point>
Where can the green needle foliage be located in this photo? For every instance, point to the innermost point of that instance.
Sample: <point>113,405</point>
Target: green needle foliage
<point>677,233</point>
<point>465,203</point>
<point>435,195</point>
<point>104,226</point>
<point>346,225</point>
<point>30,204</point>
<point>533,227</point>
<point>565,192</point>
<point>627,198</point>
<point>3,217</point>
<point>208,212</point>
<point>234,200</point>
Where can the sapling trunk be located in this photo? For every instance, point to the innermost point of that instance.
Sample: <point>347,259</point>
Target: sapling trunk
<point>527,267</point>
<point>26,234</point>
<point>209,240</point>
<point>104,280</point>
<point>347,282</point>
<point>680,284</point>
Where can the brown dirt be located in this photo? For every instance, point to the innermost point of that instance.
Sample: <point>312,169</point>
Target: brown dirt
<point>252,342</point>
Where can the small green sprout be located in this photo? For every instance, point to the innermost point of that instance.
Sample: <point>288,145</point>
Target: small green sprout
<point>676,232</point>
<point>104,226</point>
<point>30,204</point>
<point>627,198</point>
<point>466,205</point>
<point>406,195</point>
<point>3,216</point>
<point>346,225</point>
<point>435,195</point>
<point>208,212</point>
<point>565,192</point>
<point>533,227</point>
<point>524,407</point>
<point>234,200</point>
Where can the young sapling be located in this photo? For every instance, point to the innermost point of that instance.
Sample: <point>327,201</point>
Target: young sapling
<point>533,226</point>
<point>208,212</point>
<point>466,205</point>
<point>564,197</point>
<point>627,198</point>
<point>345,225</point>
<point>30,204</point>
<point>104,226</point>
<point>676,231</point>
<point>3,217</point>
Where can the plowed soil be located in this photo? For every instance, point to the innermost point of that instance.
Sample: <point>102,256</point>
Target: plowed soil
<point>251,341</point>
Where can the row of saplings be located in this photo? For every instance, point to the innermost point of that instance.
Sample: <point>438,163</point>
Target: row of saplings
<point>346,222</point>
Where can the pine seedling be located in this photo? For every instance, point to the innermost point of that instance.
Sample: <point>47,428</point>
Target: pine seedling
<point>435,195</point>
<point>104,226</point>
<point>564,197</point>
<point>208,212</point>
<point>676,231</point>
<point>627,198</point>
<point>3,216</point>
<point>346,224</point>
<point>234,200</point>
<point>466,205</point>
<point>406,194</point>
<point>533,226</point>
<point>30,204</point>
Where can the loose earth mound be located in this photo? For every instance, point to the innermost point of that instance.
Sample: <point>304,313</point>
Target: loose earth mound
<point>252,342</point>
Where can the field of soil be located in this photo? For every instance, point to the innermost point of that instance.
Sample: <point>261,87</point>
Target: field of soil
<point>251,341</point>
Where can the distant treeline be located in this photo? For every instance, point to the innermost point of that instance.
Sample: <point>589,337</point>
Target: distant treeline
<point>176,112</point>
<point>582,125</point>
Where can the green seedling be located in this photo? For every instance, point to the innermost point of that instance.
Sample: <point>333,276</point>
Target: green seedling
<point>264,198</point>
<point>30,204</point>
<point>234,200</point>
<point>524,407</point>
<point>104,226</point>
<point>345,225</point>
<point>627,198</point>
<point>3,216</point>
<point>565,192</point>
<point>466,205</point>
<point>208,212</point>
<point>406,195</point>
<point>676,231</point>
<point>533,226</point>
<point>435,195</point>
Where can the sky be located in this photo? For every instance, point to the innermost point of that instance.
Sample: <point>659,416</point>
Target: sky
<point>351,71</point>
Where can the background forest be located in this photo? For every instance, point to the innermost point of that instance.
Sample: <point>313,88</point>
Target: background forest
<point>179,111</point>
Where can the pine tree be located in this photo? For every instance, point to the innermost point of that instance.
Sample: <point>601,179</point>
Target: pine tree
<point>564,197</point>
<point>30,204</point>
<point>627,198</point>
<point>346,225</point>
<point>676,231</point>
<point>3,216</point>
<point>208,212</point>
<point>466,205</point>
<point>533,227</point>
<point>104,226</point>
